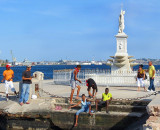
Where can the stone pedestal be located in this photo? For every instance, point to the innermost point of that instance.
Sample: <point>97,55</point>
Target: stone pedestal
<point>121,62</point>
<point>121,44</point>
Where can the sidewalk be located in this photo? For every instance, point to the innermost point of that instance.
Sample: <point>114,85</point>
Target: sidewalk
<point>117,92</point>
<point>62,90</point>
<point>46,103</point>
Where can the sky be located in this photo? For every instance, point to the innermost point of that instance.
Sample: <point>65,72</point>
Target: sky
<point>50,30</point>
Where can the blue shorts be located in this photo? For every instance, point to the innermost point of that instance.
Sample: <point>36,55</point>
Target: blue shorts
<point>84,109</point>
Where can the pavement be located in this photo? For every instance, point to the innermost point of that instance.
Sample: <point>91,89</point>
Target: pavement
<point>46,102</point>
<point>117,92</point>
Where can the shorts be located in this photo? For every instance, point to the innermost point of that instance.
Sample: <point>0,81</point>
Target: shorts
<point>140,82</point>
<point>74,84</point>
<point>102,103</point>
<point>9,84</point>
<point>84,109</point>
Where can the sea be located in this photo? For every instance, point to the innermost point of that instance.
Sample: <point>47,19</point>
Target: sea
<point>48,69</point>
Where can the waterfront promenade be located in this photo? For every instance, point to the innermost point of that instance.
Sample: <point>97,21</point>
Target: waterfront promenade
<point>44,107</point>
<point>12,106</point>
<point>62,90</point>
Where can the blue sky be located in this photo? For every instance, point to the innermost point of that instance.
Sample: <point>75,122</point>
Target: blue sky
<point>77,29</point>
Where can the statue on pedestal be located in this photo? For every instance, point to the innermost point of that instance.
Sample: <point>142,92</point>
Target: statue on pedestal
<point>121,22</point>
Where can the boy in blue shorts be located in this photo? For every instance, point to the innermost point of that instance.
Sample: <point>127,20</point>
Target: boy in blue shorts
<point>85,107</point>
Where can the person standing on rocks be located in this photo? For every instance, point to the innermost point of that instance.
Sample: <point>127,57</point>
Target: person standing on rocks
<point>8,76</point>
<point>74,82</point>
<point>152,72</point>
<point>91,84</point>
<point>141,77</point>
<point>26,77</point>
<point>106,99</point>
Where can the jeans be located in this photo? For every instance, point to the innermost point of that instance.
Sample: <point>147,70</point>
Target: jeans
<point>24,93</point>
<point>84,109</point>
<point>151,87</point>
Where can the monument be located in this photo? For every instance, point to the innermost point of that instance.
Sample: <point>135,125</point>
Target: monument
<point>121,66</point>
<point>121,62</point>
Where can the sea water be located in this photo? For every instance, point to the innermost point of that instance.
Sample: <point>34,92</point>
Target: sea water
<point>48,69</point>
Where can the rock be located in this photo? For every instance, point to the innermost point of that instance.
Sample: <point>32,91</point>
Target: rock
<point>153,123</point>
<point>153,107</point>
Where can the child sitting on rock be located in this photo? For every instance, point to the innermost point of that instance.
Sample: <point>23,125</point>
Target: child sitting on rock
<point>106,98</point>
<point>85,107</point>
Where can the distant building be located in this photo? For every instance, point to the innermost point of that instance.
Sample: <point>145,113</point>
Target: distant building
<point>26,62</point>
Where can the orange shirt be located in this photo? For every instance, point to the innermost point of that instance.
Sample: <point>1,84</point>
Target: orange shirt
<point>8,74</point>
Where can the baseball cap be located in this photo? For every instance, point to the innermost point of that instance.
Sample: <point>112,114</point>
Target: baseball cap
<point>8,66</point>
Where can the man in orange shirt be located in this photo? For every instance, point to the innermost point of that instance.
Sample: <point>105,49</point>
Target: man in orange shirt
<point>8,76</point>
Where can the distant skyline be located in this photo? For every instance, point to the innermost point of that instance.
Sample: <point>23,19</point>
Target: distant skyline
<point>77,29</point>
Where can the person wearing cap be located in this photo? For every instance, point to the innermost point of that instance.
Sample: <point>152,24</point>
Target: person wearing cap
<point>8,76</point>
<point>26,77</point>
<point>91,84</point>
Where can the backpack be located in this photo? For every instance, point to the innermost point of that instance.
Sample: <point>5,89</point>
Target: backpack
<point>146,77</point>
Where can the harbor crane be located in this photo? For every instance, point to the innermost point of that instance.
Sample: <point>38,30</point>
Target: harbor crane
<point>13,58</point>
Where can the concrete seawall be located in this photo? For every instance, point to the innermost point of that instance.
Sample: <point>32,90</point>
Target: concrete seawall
<point>43,113</point>
<point>125,109</point>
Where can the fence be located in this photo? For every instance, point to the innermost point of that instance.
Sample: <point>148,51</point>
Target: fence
<point>102,77</point>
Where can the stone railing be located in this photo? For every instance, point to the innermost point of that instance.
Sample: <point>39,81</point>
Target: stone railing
<point>102,78</point>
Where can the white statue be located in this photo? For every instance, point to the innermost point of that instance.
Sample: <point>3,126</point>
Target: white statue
<point>121,21</point>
